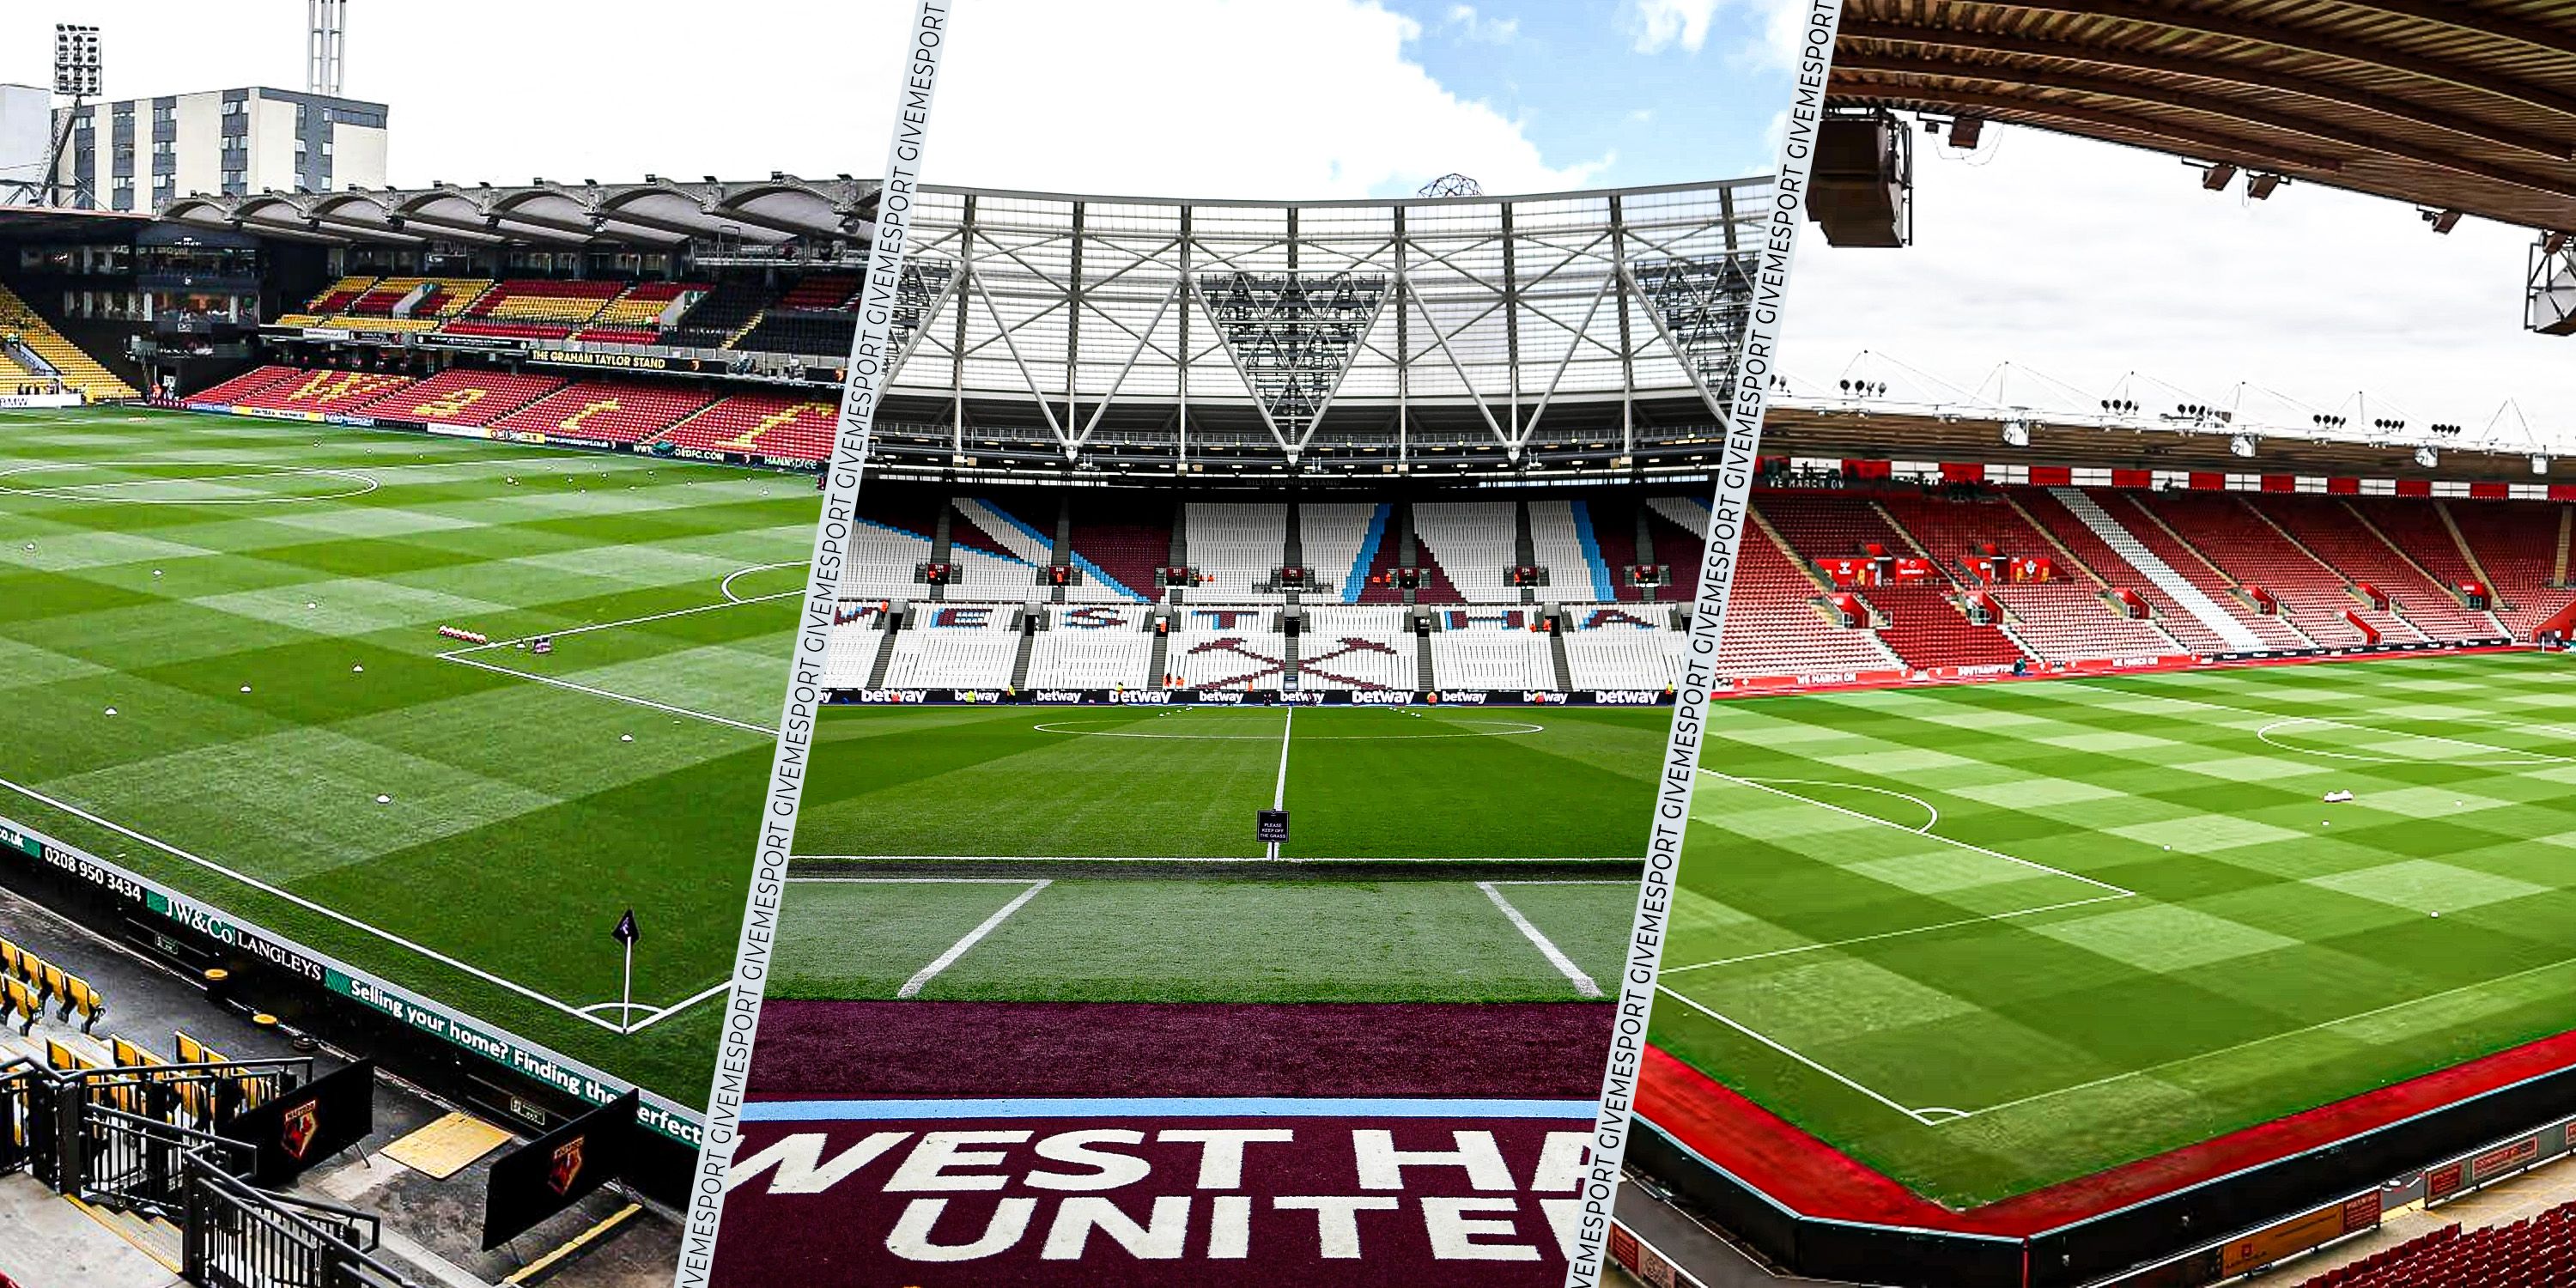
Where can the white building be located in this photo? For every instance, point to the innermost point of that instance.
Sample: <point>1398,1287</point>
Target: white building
<point>141,153</point>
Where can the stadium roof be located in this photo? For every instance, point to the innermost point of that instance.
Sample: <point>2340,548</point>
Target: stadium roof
<point>2453,104</point>
<point>657,212</point>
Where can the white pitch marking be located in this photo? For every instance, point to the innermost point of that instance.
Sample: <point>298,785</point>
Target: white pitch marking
<point>1630,859</point>
<point>1928,807</point>
<point>1583,983</point>
<point>2515,758</point>
<point>1979,849</point>
<point>1279,792</point>
<point>1895,934</point>
<point>2272,1037</point>
<point>614,696</point>
<point>921,978</point>
<point>2278,720</point>
<point>1923,1116</point>
<point>309,906</point>
<point>725,587</point>
<point>1496,729</point>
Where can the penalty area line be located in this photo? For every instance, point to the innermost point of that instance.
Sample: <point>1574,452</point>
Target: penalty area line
<point>1867,818</point>
<point>1928,1116</point>
<point>1583,982</point>
<point>921,978</point>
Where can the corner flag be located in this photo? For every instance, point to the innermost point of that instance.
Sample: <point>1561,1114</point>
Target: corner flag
<point>626,932</point>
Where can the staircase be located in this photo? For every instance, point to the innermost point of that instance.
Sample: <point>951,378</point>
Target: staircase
<point>2202,608</point>
<point>78,369</point>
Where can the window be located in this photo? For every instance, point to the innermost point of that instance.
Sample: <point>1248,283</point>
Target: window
<point>326,147</point>
<point>163,113</point>
<point>234,107</point>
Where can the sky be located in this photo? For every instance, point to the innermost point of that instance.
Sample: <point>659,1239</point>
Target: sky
<point>2045,258</point>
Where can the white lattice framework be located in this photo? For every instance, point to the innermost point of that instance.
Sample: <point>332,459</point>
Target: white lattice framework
<point>1493,311</point>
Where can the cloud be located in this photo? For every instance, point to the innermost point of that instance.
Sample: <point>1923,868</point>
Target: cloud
<point>2085,262</point>
<point>1150,99</point>
<point>1470,25</point>
<point>1662,24</point>
<point>1777,28</point>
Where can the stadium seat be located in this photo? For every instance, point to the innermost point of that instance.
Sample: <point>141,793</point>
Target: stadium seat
<point>779,427</point>
<point>2522,546</point>
<point>322,391</point>
<point>1490,647</point>
<point>1355,647</point>
<point>538,303</point>
<point>463,396</point>
<point>256,380</point>
<point>2225,529</point>
<point>1236,546</point>
<point>955,646</point>
<point>2062,620</point>
<point>1923,625</point>
<point>1126,544</point>
<point>1474,543</point>
<point>78,369</point>
<point>2356,543</point>
<point>2535,1252</point>
<point>606,411</point>
<point>1092,647</point>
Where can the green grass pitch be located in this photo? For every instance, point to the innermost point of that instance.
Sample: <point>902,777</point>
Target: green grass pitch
<point>220,583</point>
<point>1989,937</point>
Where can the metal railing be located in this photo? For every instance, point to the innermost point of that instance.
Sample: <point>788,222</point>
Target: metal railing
<point>236,1236</point>
<point>142,1139</point>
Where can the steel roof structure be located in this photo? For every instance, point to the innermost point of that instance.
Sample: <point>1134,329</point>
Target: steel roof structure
<point>2465,105</point>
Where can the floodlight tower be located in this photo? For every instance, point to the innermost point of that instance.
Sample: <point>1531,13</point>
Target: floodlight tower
<point>77,72</point>
<point>327,23</point>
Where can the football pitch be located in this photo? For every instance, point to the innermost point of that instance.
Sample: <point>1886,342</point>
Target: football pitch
<point>219,647</point>
<point>1982,937</point>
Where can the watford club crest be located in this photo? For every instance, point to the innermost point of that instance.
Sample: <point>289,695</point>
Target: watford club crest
<point>567,1166</point>
<point>303,1125</point>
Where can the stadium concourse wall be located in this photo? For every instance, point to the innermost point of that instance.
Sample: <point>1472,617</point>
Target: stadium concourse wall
<point>309,991</point>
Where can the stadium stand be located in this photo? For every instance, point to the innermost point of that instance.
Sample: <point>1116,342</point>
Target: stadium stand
<point>1562,540</point>
<point>1679,542</point>
<point>637,316</point>
<point>321,391</point>
<point>247,383</point>
<point>1338,540</point>
<point>2522,546</point>
<point>535,308</point>
<point>606,411</point>
<point>1236,546</point>
<point>1623,646</point>
<point>719,315</point>
<point>2232,536</point>
<point>1777,623</point>
<point>463,396</point>
<point>1361,648</point>
<point>335,298</point>
<point>78,369</point>
<point>960,645</point>
<point>1119,549</point>
<point>1096,646</point>
<point>2062,619</point>
<point>850,652</point>
<point>996,555</point>
<point>2356,549</point>
<point>1922,624</point>
<point>1227,646</point>
<point>884,561</point>
<point>1614,531</point>
<point>2089,547</point>
<point>1473,542</point>
<point>1481,647</point>
<point>778,427</point>
<point>2537,1252</point>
